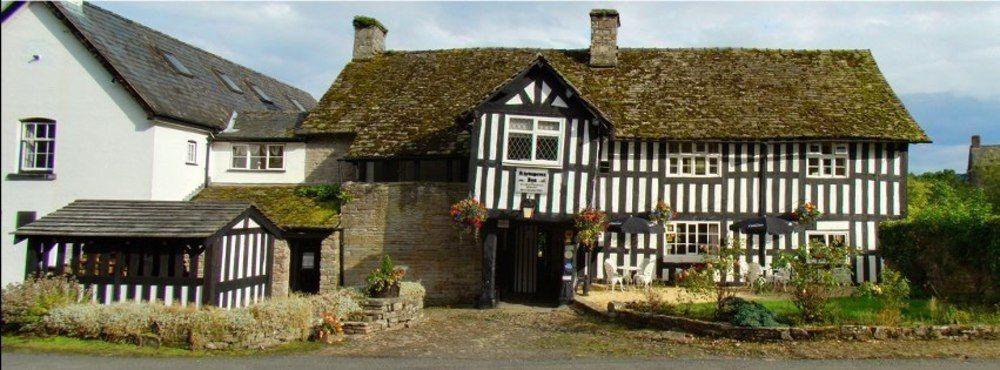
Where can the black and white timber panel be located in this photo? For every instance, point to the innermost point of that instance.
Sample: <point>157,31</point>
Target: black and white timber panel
<point>176,253</point>
<point>873,190</point>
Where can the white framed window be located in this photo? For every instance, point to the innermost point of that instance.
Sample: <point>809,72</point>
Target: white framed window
<point>827,237</point>
<point>826,160</point>
<point>694,159</point>
<point>691,237</point>
<point>38,145</point>
<point>533,141</point>
<point>192,153</point>
<point>258,157</point>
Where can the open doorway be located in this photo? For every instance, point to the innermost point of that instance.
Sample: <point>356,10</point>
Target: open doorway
<point>529,262</point>
<point>303,275</point>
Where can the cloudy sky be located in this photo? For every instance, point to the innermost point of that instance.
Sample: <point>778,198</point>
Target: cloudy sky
<point>943,59</point>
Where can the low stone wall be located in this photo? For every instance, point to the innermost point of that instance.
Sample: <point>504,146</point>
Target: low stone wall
<point>617,311</point>
<point>384,314</point>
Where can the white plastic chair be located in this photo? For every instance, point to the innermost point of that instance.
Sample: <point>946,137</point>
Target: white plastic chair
<point>781,277</point>
<point>612,276</point>
<point>646,273</point>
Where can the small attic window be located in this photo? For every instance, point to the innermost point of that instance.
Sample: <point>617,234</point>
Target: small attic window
<point>261,94</point>
<point>230,83</point>
<point>297,105</point>
<point>178,66</point>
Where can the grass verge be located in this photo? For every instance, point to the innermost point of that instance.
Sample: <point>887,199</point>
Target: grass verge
<point>60,344</point>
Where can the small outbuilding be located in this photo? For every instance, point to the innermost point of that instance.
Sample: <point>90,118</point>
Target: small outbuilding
<point>178,253</point>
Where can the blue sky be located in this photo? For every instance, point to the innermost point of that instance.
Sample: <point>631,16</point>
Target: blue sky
<point>943,59</point>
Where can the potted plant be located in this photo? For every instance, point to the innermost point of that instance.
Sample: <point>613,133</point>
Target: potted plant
<point>806,214</point>
<point>661,213</point>
<point>469,214</point>
<point>383,281</point>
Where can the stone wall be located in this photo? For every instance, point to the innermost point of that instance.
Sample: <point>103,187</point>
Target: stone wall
<point>410,222</point>
<point>323,165</point>
<point>329,263</point>
<point>384,314</point>
<point>281,265</point>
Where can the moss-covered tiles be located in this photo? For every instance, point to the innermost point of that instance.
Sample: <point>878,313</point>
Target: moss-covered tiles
<point>406,103</point>
<point>280,203</point>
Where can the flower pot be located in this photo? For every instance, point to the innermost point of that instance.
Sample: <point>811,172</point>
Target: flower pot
<point>391,292</point>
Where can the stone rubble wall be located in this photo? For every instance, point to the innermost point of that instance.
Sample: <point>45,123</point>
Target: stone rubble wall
<point>409,221</point>
<point>380,314</point>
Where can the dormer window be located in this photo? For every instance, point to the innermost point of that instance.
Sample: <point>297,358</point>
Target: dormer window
<point>229,82</point>
<point>298,105</point>
<point>178,66</point>
<point>261,94</point>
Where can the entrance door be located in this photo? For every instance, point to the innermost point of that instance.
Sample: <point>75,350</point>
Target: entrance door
<point>529,263</point>
<point>304,273</point>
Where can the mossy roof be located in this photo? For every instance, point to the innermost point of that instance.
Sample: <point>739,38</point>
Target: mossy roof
<point>279,203</point>
<point>407,102</point>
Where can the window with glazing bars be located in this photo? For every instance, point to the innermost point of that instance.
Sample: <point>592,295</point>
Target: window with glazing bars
<point>693,159</point>
<point>38,145</point>
<point>258,157</point>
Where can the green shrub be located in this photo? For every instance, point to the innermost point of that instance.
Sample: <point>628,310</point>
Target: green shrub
<point>343,303</point>
<point>949,245</point>
<point>384,277</point>
<point>26,304</point>
<point>330,193</point>
<point>412,291</point>
<point>741,312</point>
<point>816,275</point>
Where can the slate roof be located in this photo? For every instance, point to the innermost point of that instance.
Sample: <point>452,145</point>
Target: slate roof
<point>266,126</point>
<point>134,53</point>
<point>131,218</point>
<point>281,204</point>
<point>407,102</point>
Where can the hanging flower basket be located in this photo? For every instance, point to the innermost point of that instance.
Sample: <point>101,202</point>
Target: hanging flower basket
<point>590,224</point>
<point>806,214</point>
<point>469,215</point>
<point>661,213</point>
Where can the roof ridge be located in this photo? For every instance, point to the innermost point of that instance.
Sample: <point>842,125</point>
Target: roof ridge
<point>123,18</point>
<point>540,49</point>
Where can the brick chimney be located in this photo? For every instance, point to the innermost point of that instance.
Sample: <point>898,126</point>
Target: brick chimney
<point>975,141</point>
<point>604,37</point>
<point>369,37</point>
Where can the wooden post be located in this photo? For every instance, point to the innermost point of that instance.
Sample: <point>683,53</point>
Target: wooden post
<point>488,297</point>
<point>587,270</point>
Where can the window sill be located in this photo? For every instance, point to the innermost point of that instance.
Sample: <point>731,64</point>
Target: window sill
<point>28,176</point>
<point>255,171</point>
<point>531,164</point>
<point>820,177</point>
<point>686,176</point>
<point>191,164</point>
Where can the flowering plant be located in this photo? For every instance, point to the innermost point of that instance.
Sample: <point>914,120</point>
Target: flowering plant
<point>661,213</point>
<point>469,214</point>
<point>331,329</point>
<point>384,279</point>
<point>806,213</point>
<point>590,223</point>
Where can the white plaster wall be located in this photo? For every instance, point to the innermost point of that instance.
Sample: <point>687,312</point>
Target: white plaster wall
<point>173,177</point>
<point>221,158</point>
<point>102,137</point>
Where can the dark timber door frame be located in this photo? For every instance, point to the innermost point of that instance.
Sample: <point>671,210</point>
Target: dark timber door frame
<point>529,261</point>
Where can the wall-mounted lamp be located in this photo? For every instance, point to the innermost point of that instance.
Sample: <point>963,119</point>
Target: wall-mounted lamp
<point>528,208</point>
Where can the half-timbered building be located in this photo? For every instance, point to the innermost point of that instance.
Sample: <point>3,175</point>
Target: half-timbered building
<point>176,253</point>
<point>721,135</point>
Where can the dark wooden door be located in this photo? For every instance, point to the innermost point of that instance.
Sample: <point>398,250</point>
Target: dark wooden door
<point>304,273</point>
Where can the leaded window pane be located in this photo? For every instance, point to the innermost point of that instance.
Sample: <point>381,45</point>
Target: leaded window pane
<point>520,124</point>
<point>547,148</point>
<point>519,146</point>
<point>548,126</point>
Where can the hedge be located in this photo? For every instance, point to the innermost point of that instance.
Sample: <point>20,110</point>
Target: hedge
<point>952,257</point>
<point>49,306</point>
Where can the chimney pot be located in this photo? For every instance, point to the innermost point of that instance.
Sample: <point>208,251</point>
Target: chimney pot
<point>975,141</point>
<point>369,37</point>
<point>604,25</point>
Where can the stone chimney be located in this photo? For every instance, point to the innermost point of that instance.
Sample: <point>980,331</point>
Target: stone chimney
<point>975,141</point>
<point>369,37</point>
<point>604,37</point>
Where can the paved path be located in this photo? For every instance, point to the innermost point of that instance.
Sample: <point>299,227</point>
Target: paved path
<point>303,362</point>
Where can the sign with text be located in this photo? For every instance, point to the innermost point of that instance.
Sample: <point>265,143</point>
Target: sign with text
<point>531,181</point>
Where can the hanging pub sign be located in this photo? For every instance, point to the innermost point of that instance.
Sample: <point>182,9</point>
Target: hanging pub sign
<point>531,181</point>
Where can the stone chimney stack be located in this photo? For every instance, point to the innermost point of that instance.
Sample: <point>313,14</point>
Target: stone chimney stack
<point>975,141</point>
<point>369,37</point>
<point>604,37</point>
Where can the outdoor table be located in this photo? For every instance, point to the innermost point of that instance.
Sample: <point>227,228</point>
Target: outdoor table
<point>628,272</point>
